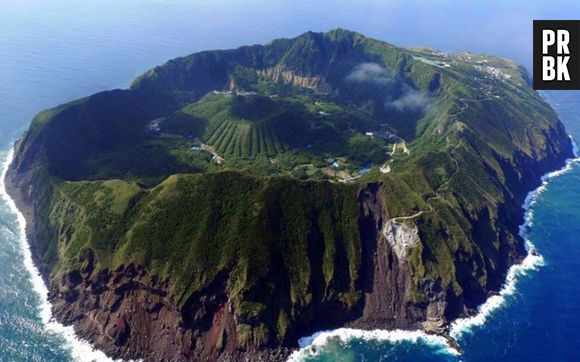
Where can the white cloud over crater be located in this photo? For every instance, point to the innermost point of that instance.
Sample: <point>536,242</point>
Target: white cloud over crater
<point>369,72</point>
<point>412,100</point>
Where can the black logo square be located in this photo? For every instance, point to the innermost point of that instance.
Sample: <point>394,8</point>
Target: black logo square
<point>557,54</point>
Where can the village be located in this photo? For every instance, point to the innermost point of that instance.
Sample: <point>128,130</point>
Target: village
<point>303,161</point>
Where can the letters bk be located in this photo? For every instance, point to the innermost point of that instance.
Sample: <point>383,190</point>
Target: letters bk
<point>556,54</point>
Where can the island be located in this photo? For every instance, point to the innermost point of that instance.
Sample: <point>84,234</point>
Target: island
<point>232,201</point>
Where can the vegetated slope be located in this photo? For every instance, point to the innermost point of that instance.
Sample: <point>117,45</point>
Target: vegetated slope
<point>219,205</point>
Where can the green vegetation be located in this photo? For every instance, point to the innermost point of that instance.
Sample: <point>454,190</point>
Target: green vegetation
<point>264,231</point>
<point>247,163</point>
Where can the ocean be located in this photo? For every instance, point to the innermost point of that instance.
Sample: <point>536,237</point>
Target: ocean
<point>55,51</point>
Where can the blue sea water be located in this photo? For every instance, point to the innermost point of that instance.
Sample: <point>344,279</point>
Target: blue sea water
<point>52,51</point>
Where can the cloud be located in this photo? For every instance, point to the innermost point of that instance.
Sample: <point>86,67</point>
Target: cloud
<point>412,100</point>
<point>369,72</point>
<point>409,100</point>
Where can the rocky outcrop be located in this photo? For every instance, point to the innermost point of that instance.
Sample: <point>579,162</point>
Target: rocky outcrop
<point>387,273</point>
<point>385,277</point>
<point>284,75</point>
<point>400,236</point>
<point>126,312</point>
<point>131,314</point>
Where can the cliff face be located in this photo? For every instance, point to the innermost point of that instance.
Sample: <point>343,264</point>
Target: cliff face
<point>130,314</point>
<point>126,312</point>
<point>385,275</point>
<point>152,254</point>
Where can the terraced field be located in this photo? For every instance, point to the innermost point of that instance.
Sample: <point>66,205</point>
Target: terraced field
<point>240,138</point>
<point>251,126</point>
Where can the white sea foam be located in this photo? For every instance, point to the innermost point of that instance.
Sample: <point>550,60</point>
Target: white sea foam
<point>312,345</point>
<point>79,349</point>
<point>531,262</point>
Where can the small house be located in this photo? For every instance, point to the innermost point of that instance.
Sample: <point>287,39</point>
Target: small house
<point>364,170</point>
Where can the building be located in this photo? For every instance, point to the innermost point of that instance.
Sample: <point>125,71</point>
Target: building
<point>364,170</point>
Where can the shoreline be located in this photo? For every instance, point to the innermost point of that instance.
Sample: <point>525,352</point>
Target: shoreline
<point>531,262</point>
<point>83,350</point>
<point>309,345</point>
<point>79,349</point>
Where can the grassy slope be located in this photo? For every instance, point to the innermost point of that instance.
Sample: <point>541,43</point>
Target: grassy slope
<point>281,240</point>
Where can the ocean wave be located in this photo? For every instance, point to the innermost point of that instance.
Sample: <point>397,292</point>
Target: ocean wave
<point>531,262</point>
<point>312,345</point>
<point>79,349</point>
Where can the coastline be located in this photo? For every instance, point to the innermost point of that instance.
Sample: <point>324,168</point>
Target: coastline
<point>309,345</point>
<point>532,261</point>
<point>80,349</point>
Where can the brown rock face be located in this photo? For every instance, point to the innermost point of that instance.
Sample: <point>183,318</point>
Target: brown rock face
<point>126,312</point>
<point>130,314</point>
<point>385,278</point>
<point>284,75</point>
